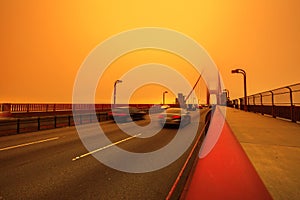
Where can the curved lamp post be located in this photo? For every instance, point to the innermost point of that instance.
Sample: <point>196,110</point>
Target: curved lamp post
<point>227,94</point>
<point>164,96</point>
<point>227,97</point>
<point>115,90</point>
<point>241,71</point>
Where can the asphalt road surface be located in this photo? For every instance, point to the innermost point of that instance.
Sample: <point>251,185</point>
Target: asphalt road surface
<point>54,164</point>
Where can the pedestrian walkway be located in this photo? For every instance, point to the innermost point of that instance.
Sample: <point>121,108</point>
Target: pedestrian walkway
<point>255,157</point>
<point>273,146</point>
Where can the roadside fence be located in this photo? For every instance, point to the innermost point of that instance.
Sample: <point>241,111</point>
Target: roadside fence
<point>282,102</point>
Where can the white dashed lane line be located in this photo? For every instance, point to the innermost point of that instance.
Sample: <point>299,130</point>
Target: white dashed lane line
<point>105,147</point>
<point>27,144</point>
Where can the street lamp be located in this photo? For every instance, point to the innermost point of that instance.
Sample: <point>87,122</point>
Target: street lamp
<point>115,90</point>
<point>164,96</point>
<point>241,71</point>
<point>227,94</point>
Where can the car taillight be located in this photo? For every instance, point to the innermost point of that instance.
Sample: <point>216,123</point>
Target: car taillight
<point>120,114</point>
<point>161,116</point>
<point>176,117</point>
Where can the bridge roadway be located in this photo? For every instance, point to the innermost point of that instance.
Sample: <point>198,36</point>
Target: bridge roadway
<point>39,165</point>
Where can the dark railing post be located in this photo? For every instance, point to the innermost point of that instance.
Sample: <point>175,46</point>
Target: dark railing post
<point>39,123</point>
<point>248,101</point>
<point>261,104</point>
<point>55,119</point>
<point>292,104</point>
<point>69,120</point>
<point>18,126</point>
<point>242,104</point>
<point>273,106</point>
<point>254,104</point>
<point>245,90</point>
<point>97,117</point>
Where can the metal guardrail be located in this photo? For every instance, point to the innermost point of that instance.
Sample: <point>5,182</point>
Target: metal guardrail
<point>282,102</point>
<point>25,125</point>
<point>45,107</point>
<point>37,118</point>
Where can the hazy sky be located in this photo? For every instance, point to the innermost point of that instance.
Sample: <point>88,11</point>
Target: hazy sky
<point>43,43</point>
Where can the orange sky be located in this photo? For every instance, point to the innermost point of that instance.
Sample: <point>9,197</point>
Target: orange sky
<point>43,43</point>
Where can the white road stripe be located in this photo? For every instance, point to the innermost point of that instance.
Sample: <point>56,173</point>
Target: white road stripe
<point>29,143</point>
<point>105,147</point>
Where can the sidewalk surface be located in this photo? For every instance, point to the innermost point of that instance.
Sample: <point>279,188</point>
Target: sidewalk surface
<point>273,147</point>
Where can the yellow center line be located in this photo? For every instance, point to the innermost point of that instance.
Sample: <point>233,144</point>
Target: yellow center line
<point>29,143</point>
<point>105,147</point>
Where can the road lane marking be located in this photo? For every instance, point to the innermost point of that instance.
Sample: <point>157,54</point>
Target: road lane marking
<point>29,143</point>
<point>105,147</point>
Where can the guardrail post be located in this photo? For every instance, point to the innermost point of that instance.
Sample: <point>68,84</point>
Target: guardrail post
<point>98,117</point>
<point>18,126</point>
<point>241,104</point>
<point>261,104</point>
<point>273,106</point>
<point>55,121</point>
<point>292,104</point>
<point>39,123</point>
<point>253,109</point>
<point>236,102</point>
<point>293,113</point>
<point>69,120</point>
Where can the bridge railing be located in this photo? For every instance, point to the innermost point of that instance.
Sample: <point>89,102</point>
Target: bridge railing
<point>31,124</point>
<point>9,108</point>
<point>282,102</point>
<point>35,117</point>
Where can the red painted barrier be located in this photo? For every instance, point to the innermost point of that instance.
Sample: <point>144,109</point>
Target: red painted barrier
<point>226,172</point>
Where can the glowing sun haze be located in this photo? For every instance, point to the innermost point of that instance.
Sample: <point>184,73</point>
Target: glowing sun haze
<point>43,44</point>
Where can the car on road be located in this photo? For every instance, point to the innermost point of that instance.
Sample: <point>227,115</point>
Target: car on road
<point>163,107</point>
<point>124,114</point>
<point>175,116</point>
